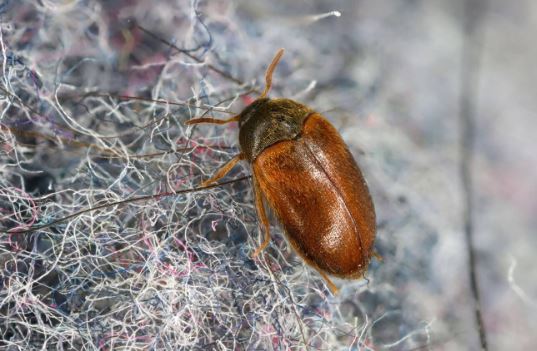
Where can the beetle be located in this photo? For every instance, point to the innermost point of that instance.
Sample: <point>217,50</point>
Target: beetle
<point>303,170</point>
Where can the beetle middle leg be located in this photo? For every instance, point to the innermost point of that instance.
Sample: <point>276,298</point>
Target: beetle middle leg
<point>223,170</point>
<point>263,217</point>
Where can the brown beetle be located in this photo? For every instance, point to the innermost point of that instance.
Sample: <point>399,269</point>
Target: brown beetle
<point>305,172</point>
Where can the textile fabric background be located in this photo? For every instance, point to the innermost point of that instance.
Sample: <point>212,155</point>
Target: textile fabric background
<point>435,99</point>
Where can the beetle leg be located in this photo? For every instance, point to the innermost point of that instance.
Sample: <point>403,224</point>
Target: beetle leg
<point>377,256</point>
<point>212,120</point>
<point>263,217</point>
<point>223,170</point>
<point>333,288</point>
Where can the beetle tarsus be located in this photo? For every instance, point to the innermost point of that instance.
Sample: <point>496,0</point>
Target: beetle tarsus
<point>333,288</point>
<point>377,256</point>
<point>262,247</point>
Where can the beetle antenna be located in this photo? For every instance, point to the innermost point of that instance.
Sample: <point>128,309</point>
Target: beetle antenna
<point>270,70</point>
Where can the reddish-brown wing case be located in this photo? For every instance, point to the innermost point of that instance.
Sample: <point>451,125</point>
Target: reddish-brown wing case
<point>320,197</point>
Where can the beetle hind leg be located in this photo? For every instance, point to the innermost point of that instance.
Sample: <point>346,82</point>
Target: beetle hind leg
<point>263,217</point>
<point>333,288</point>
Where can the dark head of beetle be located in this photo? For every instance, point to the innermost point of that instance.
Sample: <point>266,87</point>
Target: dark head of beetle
<point>268,121</point>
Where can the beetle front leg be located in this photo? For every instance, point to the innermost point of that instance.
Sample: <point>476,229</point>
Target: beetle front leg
<point>210,120</point>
